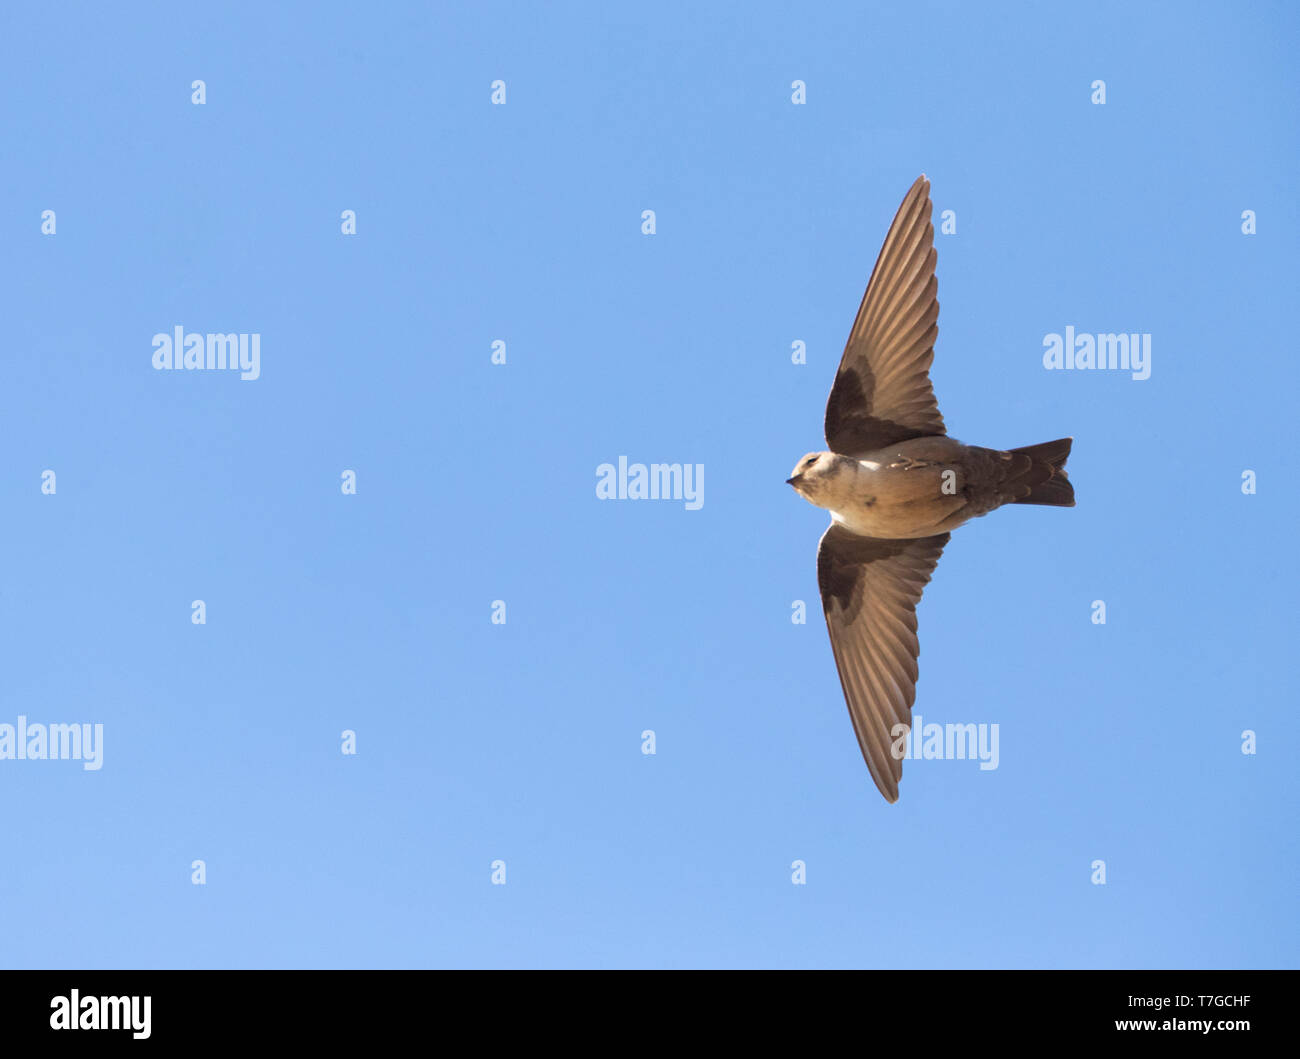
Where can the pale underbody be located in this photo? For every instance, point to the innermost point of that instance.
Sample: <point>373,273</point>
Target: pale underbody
<point>916,488</point>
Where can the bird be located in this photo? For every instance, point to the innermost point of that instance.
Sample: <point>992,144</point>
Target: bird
<point>896,485</point>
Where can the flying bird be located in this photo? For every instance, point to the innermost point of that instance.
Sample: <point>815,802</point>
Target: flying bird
<point>895,485</point>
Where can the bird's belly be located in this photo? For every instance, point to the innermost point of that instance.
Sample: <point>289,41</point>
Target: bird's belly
<point>899,505</point>
<point>896,524</point>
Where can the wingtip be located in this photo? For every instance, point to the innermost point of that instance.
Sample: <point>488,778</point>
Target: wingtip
<point>920,189</point>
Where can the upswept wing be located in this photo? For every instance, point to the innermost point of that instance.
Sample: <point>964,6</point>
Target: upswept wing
<point>882,393</point>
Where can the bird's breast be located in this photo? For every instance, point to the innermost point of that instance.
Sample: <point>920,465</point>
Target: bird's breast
<point>897,499</point>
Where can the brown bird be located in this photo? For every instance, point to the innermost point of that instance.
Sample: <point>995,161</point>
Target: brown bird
<point>896,484</point>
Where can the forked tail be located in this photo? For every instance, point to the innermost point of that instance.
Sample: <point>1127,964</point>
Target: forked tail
<point>1046,478</point>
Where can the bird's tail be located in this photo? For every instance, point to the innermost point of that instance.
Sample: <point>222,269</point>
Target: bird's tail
<point>1048,483</point>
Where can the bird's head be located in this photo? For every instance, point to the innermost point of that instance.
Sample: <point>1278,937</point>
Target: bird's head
<point>811,474</point>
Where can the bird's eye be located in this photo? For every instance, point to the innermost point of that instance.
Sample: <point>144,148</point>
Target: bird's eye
<point>810,461</point>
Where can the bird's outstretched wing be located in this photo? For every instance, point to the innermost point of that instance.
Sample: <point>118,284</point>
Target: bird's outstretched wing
<point>870,589</point>
<point>882,393</point>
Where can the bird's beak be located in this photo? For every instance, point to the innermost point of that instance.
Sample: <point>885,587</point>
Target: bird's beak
<point>791,481</point>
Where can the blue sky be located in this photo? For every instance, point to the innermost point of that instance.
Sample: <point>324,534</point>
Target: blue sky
<point>521,742</point>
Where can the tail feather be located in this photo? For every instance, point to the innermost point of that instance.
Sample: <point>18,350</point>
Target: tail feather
<point>1046,480</point>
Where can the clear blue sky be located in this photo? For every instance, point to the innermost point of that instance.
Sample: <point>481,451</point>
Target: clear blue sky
<point>522,742</point>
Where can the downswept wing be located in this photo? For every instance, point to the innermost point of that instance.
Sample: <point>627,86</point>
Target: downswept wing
<point>870,589</point>
<point>882,393</point>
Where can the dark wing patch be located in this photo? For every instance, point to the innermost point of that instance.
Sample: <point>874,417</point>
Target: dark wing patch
<point>870,589</point>
<point>882,393</point>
